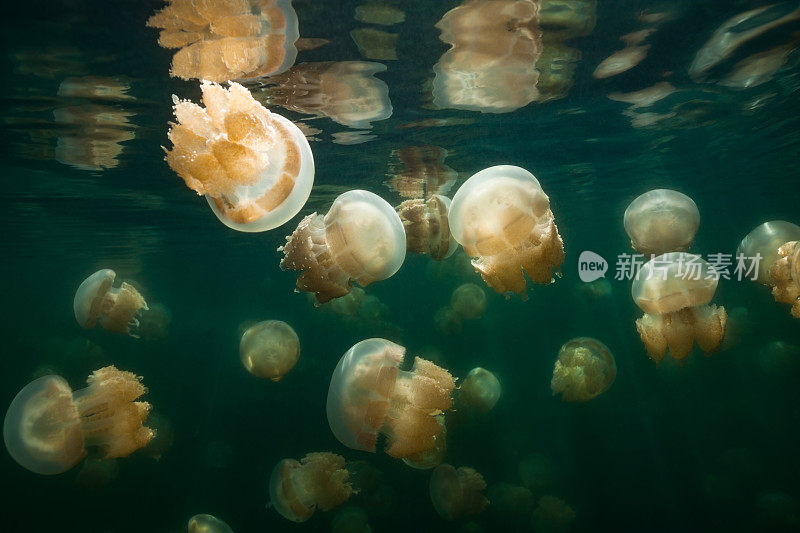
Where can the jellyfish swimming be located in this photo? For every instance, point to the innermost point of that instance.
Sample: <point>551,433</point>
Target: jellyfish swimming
<point>116,309</point>
<point>426,226</point>
<point>774,247</point>
<point>479,391</point>
<point>318,481</point>
<point>433,457</point>
<point>361,238</point>
<point>585,368</point>
<point>370,395</point>
<point>468,301</point>
<point>48,427</point>
<point>502,218</point>
<point>674,291</point>
<point>660,221</point>
<point>269,349</point>
<point>456,492</point>
<point>254,167</point>
<point>205,523</point>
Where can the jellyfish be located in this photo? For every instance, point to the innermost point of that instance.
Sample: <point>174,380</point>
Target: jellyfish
<point>511,504</point>
<point>48,427</point>
<point>457,492</point>
<point>427,228</point>
<point>480,390</point>
<point>448,321</point>
<point>361,238</point>
<point>435,455</point>
<point>318,481</point>
<point>117,309</point>
<point>370,395</point>
<point>420,172</point>
<point>468,301</point>
<point>154,324</point>
<point>774,249</point>
<point>660,221</point>
<point>552,515</point>
<point>537,472</point>
<point>351,520</point>
<point>269,349</point>
<point>779,360</point>
<point>96,473</point>
<point>502,218</point>
<point>585,368</point>
<point>205,523</point>
<point>674,291</point>
<point>254,167</point>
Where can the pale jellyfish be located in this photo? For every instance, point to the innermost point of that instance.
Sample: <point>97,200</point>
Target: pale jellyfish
<point>48,427</point>
<point>116,309</point>
<point>457,492</point>
<point>480,390</point>
<point>269,349</point>
<point>660,221</point>
<point>254,167</point>
<point>585,368</point>
<point>674,291</point>
<point>426,226</point>
<point>319,481</point>
<point>433,457</point>
<point>468,301</point>
<point>205,523</point>
<point>774,249</point>
<point>361,238</point>
<point>370,395</point>
<point>552,515</point>
<point>502,218</point>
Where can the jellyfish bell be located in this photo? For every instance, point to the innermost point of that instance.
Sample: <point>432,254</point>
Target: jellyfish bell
<point>426,226</point>
<point>206,523</point>
<point>269,349</point>
<point>660,221</point>
<point>468,301</point>
<point>584,369</point>
<point>434,456</point>
<point>447,321</point>
<point>457,492</point>
<point>116,309</point>
<point>480,390</point>
<point>502,218</point>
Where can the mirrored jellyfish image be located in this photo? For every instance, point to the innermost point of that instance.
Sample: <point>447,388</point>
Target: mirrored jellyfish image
<point>777,243</point>
<point>433,457</point>
<point>370,395</point>
<point>319,481</point>
<point>420,172</point>
<point>479,391</point>
<point>254,167</point>
<point>116,309</point>
<point>361,238</point>
<point>427,228</point>
<point>585,368</point>
<point>674,291</point>
<point>228,39</point>
<point>457,492</point>
<point>48,427</point>
<point>206,523</point>
<point>502,218</point>
<point>660,221</point>
<point>269,349</point>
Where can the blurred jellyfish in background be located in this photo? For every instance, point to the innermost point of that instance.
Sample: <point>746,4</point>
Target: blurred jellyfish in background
<point>779,360</point>
<point>228,39</point>
<point>537,472</point>
<point>597,290</point>
<point>420,172</point>
<point>760,67</point>
<point>737,329</point>
<point>457,492</point>
<point>375,493</point>
<point>776,244</point>
<point>502,218</point>
<point>479,391</point>
<point>427,228</point>
<point>360,311</point>
<point>511,505</point>
<point>163,438</point>
<point>627,58</point>
<point>737,473</point>
<point>585,368</point>
<point>370,395</point>
<point>448,321</point>
<point>661,221</point>
<point>674,291</point>
<point>552,515</point>
<point>116,309</point>
<point>205,523</point>
<point>433,457</point>
<point>361,238</point>
<point>643,99</point>
<point>96,473</point>
<point>254,167</point>
<point>48,427</point>
<point>350,520</point>
<point>777,511</point>
<point>468,301</point>
<point>319,481</point>
<point>154,323</point>
<point>269,349</point>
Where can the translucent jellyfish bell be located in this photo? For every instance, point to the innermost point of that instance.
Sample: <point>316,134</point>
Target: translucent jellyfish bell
<point>502,218</point>
<point>361,238</point>
<point>435,455</point>
<point>457,492</point>
<point>480,390</point>
<point>468,301</point>
<point>269,349</point>
<point>585,368</point>
<point>427,228</point>
<point>660,221</point>
<point>206,523</point>
<point>117,309</point>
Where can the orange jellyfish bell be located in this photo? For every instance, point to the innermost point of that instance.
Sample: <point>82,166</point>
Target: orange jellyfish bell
<point>319,481</point>
<point>457,492</point>
<point>426,226</point>
<point>117,309</point>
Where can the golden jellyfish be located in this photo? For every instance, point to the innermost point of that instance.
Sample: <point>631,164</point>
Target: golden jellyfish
<point>427,228</point>
<point>468,301</point>
<point>457,492</point>
<point>585,368</point>
<point>674,291</point>
<point>228,39</point>
<point>254,167</point>
<point>116,309</point>
<point>48,427</point>
<point>502,218</point>
<point>361,238</point>
<point>318,481</point>
<point>269,349</point>
<point>480,390</point>
<point>552,515</point>
<point>660,221</point>
<point>435,455</point>
<point>774,249</point>
<point>370,395</point>
<point>206,523</point>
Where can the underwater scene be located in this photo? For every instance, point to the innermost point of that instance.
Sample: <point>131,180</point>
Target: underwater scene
<point>400,266</point>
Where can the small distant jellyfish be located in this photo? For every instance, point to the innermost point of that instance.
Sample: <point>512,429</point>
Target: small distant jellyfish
<point>361,238</point>
<point>254,167</point>
<point>427,228</point>
<point>552,515</point>
<point>370,395</point>
<point>660,221</point>
<point>585,368</point>
<point>511,504</point>
<point>319,481</point>
<point>457,492</point>
<point>480,390</point>
<point>48,427</point>
<point>435,455</point>
<point>448,321</point>
<point>537,472</point>
<point>269,349</point>
<point>116,309</point>
<point>205,523</point>
<point>468,301</point>
<point>674,291</point>
<point>502,218</point>
<point>351,520</point>
<point>774,249</point>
